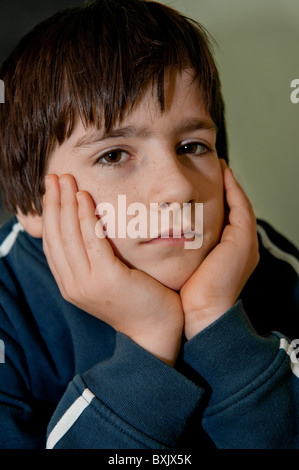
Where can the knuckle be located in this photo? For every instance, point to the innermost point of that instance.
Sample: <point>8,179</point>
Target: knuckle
<point>49,243</point>
<point>63,292</point>
<point>89,243</point>
<point>68,203</point>
<point>65,238</point>
<point>67,291</point>
<point>82,292</point>
<point>65,296</point>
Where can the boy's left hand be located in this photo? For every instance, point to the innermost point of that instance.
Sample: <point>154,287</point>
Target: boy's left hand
<point>216,284</point>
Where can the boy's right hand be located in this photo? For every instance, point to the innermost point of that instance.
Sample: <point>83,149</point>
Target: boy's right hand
<point>91,277</point>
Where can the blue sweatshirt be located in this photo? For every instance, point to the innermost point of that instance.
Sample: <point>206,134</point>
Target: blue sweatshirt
<point>68,380</point>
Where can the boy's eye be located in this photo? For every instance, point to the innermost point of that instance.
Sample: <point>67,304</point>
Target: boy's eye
<point>113,157</point>
<point>192,148</point>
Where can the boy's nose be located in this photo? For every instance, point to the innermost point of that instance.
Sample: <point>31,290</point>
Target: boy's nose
<point>172,183</point>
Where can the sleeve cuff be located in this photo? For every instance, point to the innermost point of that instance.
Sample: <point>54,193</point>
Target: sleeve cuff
<point>144,391</point>
<point>229,354</point>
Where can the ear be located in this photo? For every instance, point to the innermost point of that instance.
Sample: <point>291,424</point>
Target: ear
<point>31,223</point>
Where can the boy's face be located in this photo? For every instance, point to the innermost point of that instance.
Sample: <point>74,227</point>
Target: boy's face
<point>153,157</point>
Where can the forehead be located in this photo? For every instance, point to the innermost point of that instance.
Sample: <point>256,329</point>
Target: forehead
<point>179,86</point>
<point>184,109</point>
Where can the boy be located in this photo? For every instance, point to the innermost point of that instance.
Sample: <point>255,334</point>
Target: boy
<point>134,342</point>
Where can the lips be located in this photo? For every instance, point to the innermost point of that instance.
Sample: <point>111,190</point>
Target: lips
<point>174,234</point>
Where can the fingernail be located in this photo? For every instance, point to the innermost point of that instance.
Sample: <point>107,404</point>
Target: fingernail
<point>224,163</point>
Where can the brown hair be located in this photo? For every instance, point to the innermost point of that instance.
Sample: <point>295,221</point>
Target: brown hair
<point>91,62</point>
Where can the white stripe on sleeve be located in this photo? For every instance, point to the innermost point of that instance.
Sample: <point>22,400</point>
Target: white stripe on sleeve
<point>277,252</point>
<point>69,418</point>
<point>9,241</point>
<point>291,352</point>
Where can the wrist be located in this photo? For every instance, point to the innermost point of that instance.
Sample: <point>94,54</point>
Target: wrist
<point>198,320</point>
<point>162,338</point>
<point>164,346</point>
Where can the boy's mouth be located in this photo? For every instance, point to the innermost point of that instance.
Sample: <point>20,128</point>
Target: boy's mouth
<point>172,237</point>
<point>170,241</point>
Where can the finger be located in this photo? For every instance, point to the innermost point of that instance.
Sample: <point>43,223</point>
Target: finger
<point>241,210</point>
<point>52,245</point>
<point>96,246</point>
<point>71,235</point>
<point>234,190</point>
<point>223,164</point>
<point>52,266</point>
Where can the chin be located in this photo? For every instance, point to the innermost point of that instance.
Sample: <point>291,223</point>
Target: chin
<point>173,280</point>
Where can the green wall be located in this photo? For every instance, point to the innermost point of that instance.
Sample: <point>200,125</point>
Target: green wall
<point>258,57</point>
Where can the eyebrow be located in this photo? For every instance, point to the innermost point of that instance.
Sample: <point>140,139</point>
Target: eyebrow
<point>96,136</point>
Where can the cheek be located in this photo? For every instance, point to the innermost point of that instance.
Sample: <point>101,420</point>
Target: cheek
<point>100,192</point>
<point>104,189</point>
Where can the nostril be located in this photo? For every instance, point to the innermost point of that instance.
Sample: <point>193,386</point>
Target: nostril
<point>163,205</point>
